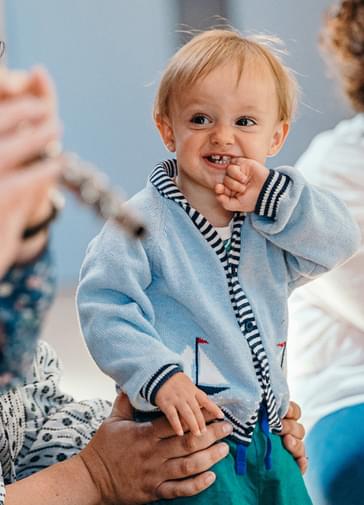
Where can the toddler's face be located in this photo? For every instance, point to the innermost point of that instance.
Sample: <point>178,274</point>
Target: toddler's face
<point>220,118</point>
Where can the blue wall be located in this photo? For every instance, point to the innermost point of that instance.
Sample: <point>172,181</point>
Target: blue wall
<point>106,58</point>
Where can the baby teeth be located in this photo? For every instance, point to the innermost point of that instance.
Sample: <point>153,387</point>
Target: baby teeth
<point>221,160</point>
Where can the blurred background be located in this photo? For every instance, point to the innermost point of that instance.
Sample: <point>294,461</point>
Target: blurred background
<point>106,59</point>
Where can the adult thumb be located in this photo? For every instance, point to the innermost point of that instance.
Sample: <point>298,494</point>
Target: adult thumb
<point>122,408</point>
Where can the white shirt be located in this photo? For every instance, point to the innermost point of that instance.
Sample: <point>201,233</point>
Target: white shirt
<point>326,332</point>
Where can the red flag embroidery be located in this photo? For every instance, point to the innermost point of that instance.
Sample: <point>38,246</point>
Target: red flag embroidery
<point>201,341</point>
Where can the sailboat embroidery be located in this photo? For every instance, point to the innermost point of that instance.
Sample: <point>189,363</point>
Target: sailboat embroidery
<point>198,366</point>
<point>283,346</point>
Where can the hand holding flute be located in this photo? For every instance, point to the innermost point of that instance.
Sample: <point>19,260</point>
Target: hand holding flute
<point>29,125</point>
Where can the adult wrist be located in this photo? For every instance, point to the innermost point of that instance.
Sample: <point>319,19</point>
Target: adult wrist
<point>31,249</point>
<point>93,491</point>
<point>98,475</point>
<point>56,201</point>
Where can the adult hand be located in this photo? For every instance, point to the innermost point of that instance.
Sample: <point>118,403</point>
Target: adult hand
<point>133,463</point>
<point>28,122</point>
<point>293,433</point>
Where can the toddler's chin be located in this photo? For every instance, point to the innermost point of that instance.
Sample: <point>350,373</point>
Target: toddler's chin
<point>219,178</point>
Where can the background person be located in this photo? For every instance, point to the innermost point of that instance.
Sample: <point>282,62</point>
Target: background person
<point>326,346</point>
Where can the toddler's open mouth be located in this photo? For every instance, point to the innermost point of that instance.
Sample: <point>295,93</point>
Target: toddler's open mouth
<point>218,159</point>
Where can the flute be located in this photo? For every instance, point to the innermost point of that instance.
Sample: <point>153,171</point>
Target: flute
<point>91,187</point>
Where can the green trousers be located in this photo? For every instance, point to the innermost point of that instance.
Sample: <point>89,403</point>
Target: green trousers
<point>281,485</point>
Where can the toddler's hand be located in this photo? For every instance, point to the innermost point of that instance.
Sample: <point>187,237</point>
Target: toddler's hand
<point>180,400</point>
<point>241,185</point>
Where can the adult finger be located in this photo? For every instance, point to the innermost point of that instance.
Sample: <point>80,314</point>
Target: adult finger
<point>295,446</point>
<point>27,144</point>
<point>21,110</point>
<point>184,467</point>
<point>12,83</point>
<point>39,176</point>
<point>303,464</point>
<point>122,408</point>
<point>294,411</point>
<point>188,444</point>
<point>297,449</point>
<point>294,428</point>
<point>188,487</point>
<point>42,85</point>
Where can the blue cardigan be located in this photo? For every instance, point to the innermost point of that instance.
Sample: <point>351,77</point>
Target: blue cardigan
<point>163,304</point>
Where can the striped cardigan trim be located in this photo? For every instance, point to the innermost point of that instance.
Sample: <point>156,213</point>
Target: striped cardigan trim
<point>272,191</point>
<point>152,386</point>
<point>162,178</point>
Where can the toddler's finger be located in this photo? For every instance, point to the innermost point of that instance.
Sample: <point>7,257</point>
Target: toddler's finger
<point>195,406</point>
<point>219,189</point>
<point>225,191</point>
<point>188,415</point>
<point>174,420</point>
<point>234,185</point>
<point>238,172</point>
<point>232,204</point>
<point>205,402</point>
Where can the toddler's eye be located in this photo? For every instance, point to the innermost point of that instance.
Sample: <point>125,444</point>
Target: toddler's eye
<point>200,119</point>
<point>245,121</point>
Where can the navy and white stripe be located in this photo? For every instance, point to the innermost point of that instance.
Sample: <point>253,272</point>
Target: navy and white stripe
<point>273,189</point>
<point>150,389</point>
<point>162,179</point>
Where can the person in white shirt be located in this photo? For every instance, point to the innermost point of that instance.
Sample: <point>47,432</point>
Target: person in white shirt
<point>326,344</point>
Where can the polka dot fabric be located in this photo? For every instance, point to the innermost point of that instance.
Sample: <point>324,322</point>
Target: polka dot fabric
<point>40,425</point>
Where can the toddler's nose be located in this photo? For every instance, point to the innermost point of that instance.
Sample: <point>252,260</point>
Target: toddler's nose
<point>222,136</point>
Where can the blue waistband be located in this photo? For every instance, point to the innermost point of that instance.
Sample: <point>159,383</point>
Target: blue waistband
<point>241,450</point>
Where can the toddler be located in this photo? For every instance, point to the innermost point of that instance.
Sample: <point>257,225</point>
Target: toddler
<point>195,315</point>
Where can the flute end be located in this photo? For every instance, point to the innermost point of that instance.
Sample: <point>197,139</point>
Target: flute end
<point>140,232</point>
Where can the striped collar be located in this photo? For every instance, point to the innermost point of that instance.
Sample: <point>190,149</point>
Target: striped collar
<point>162,179</point>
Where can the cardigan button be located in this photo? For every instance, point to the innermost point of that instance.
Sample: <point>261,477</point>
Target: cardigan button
<point>249,326</point>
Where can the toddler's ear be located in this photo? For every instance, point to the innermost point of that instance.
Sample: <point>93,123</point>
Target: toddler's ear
<point>279,137</point>
<point>166,132</point>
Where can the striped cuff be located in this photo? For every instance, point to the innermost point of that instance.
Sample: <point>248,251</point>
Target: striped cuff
<point>272,191</point>
<point>150,389</point>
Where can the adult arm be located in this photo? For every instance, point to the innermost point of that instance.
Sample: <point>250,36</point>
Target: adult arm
<point>127,463</point>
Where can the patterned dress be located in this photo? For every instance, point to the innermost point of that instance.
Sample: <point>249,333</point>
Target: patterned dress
<point>39,424</point>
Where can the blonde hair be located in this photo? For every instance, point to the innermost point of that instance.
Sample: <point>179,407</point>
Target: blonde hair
<point>213,48</point>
